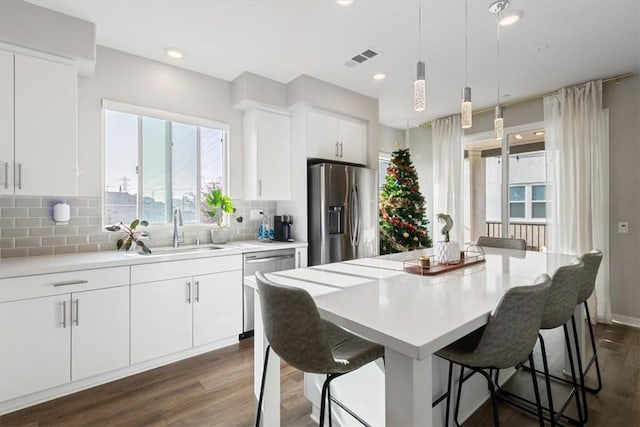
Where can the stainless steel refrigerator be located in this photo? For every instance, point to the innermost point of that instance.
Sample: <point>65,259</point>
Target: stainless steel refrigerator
<point>343,213</point>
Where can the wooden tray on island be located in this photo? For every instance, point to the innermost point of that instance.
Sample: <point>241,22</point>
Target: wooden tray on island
<point>413,266</point>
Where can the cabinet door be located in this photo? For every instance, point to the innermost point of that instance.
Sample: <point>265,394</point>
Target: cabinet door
<point>45,127</point>
<point>35,345</point>
<point>217,309</point>
<point>161,318</point>
<point>352,136</point>
<point>99,332</point>
<point>322,136</point>
<point>6,122</point>
<point>274,155</point>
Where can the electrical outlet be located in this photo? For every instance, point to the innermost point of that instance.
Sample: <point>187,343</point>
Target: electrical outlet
<point>623,227</point>
<point>254,214</point>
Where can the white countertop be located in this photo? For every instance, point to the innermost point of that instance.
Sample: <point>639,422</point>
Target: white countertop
<point>24,266</point>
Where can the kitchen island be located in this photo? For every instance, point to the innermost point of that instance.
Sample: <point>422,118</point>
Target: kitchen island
<point>412,316</point>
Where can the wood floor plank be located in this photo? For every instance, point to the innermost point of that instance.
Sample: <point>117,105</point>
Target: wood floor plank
<point>216,389</point>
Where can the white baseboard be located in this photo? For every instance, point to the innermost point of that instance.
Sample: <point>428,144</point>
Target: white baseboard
<point>625,320</point>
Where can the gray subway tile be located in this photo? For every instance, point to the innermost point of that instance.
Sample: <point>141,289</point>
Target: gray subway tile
<point>41,231</point>
<point>46,250</point>
<point>54,240</point>
<point>106,246</point>
<point>28,242</point>
<point>99,238</point>
<point>7,222</point>
<point>78,203</point>
<point>40,212</point>
<point>14,212</point>
<point>6,243</point>
<point>7,202</point>
<point>12,253</point>
<point>94,220</point>
<point>88,247</point>
<point>64,230</point>
<point>88,230</point>
<point>47,222</point>
<point>94,203</point>
<point>78,239</point>
<point>28,222</point>
<point>88,211</point>
<point>28,203</point>
<point>79,220</point>
<point>66,249</point>
<point>49,202</point>
<point>14,232</point>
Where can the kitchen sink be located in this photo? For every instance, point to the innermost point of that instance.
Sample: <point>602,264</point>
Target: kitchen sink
<point>168,250</point>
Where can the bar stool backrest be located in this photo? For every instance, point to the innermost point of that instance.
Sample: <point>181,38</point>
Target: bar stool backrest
<point>501,242</point>
<point>513,325</point>
<point>293,326</point>
<point>563,295</point>
<point>592,262</point>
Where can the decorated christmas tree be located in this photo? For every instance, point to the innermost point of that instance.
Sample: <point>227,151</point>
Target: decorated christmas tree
<point>403,223</point>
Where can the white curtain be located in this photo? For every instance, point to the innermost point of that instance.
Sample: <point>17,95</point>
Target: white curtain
<point>447,175</point>
<point>577,145</point>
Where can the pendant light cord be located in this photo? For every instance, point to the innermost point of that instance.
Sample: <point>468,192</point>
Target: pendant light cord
<point>498,50</point>
<point>466,44</point>
<point>419,29</point>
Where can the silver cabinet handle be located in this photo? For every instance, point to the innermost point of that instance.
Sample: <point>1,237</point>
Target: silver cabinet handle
<point>64,314</point>
<point>188,292</point>
<point>19,176</point>
<point>70,282</point>
<point>254,260</point>
<point>77,319</point>
<point>6,175</point>
<point>341,150</point>
<point>298,256</point>
<point>337,143</point>
<point>197,291</point>
<point>260,188</point>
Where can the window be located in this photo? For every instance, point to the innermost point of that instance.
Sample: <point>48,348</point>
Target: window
<point>538,201</point>
<point>383,162</point>
<point>517,201</point>
<point>157,162</point>
<point>527,201</point>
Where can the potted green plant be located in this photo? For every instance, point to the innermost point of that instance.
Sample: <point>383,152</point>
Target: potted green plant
<point>219,204</point>
<point>132,237</point>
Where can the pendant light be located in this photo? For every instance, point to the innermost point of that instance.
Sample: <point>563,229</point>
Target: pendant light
<point>419,86</point>
<point>498,123</point>
<point>466,110</point>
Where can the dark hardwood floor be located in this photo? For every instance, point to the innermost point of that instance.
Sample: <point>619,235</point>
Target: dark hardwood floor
<point>215,389</point>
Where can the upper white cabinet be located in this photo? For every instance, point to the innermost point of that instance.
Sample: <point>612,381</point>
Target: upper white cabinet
<point>335,138</point>
<point>267,153</point>
<point>38,136</point>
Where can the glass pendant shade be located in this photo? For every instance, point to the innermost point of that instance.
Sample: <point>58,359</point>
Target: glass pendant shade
<point>498,124</point>
<point>466,110</point>
<point>419,89</point>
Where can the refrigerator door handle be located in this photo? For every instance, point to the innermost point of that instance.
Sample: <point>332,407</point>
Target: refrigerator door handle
<point>352,230</point>
<point>356,208</point>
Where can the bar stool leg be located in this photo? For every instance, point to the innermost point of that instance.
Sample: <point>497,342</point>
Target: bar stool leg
<point>457,407</point>
<point>264,375</point>
<point>323,397</point>
<point>579,359</point>
<point>595,352</point>
<point>581,420</point>
<point>329,399</point>
<point>547,380</point>
<point>537,393</point>
<point>448,401</point>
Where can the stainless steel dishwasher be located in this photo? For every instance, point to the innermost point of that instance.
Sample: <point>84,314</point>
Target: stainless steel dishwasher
<point>265,262</point>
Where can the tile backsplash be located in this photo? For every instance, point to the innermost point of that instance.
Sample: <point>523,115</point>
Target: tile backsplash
<point>27,227</point>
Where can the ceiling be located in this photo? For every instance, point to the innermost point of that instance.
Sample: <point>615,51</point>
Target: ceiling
<point>557,43</point>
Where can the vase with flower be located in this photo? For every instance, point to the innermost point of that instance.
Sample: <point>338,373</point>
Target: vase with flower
<point>218,204</point>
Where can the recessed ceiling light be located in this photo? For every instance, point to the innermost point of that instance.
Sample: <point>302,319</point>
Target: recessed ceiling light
<point>518,136</point>
<point>344,2</point>
<point>510,18</point>
<point>539,133</point>
<point>379,76</point>
<point>173,52</point>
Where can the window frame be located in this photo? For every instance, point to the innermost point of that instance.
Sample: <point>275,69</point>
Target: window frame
<point>169,118</point>
<point>528,203</point>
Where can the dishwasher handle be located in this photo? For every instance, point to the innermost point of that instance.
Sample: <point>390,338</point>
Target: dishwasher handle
<point>256,260</point>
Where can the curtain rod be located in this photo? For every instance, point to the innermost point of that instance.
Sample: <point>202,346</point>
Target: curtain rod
<point>614,79</point>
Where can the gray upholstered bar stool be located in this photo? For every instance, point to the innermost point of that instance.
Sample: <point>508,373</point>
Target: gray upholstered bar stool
<point>502,242</point>
<point>558,311</point>
<point>506,340</point>
<point>301,338</point>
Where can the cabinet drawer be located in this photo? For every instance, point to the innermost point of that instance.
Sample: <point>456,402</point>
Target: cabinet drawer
<point>42,285</point>
<point>186,268</point>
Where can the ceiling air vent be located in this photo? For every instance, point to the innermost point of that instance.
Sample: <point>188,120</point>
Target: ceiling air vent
<point>361,57</point>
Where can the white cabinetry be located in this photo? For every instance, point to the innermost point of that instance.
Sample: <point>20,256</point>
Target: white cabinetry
<point>183,304</point>
<point>38,102</point>
<point>267,153</point>
<point>61,327</point>
<point>302,257</point>
<point>335,138</point>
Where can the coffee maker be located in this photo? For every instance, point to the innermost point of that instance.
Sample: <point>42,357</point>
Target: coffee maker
<point>282,228</point>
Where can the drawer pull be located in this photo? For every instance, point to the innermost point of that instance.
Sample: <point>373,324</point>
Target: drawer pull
<point>70,282</point>
<point>64,314</point>
<point>77,319</point>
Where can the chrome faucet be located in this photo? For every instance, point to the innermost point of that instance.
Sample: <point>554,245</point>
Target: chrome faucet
<point>177,220</point>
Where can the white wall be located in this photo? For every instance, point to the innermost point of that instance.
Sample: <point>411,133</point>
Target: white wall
<point>388,137</point>
<point>134,80</point>
<point>421,149</point>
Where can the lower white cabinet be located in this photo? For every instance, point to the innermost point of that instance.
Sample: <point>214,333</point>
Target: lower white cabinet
<point>50,341</point>
<point>172,315</point>
<point>35,345</point>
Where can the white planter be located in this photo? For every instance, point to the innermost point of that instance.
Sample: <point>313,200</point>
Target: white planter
<point>219,236</point>
<point>446,252</point>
